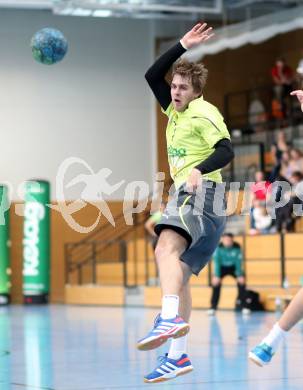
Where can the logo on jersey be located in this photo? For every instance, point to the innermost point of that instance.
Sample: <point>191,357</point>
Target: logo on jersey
<point>176,159</point>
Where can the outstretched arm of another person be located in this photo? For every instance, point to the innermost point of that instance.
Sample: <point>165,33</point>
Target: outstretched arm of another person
<point>299,94</point>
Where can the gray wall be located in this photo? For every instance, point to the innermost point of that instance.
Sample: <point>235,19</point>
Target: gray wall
<point>94,105</point>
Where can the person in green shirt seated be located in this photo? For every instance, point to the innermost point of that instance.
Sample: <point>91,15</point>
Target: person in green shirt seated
<point>228,260</point>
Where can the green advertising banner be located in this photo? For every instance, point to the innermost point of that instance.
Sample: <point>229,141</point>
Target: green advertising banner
<point>5,282</point>
<point>36,242</point>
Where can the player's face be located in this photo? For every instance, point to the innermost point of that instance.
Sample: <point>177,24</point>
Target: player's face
<point>182,92</point>
<point>227,241</point>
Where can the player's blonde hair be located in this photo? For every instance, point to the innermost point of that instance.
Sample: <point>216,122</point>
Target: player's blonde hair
<point>195,72</point>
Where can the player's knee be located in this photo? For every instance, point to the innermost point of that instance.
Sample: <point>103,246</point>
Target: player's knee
<point>163,251</point>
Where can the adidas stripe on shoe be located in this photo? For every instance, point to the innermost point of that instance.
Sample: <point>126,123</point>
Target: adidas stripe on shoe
<point>162,331</point>
<point>169,369</point>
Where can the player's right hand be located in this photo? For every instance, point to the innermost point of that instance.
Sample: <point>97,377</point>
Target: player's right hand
<point>197,35</point>
<point>194,181</point>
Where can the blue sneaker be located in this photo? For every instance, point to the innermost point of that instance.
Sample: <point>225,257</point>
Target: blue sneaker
<point>162,331</point>
<point>169,369</point>
<point>261,354</point>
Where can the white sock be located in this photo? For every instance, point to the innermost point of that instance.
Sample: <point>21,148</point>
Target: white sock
<point>170,306</point>
<point>177,347</point>
<point>274,337</point>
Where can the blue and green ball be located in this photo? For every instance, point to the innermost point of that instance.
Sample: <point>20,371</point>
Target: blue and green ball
<point>49,46</point>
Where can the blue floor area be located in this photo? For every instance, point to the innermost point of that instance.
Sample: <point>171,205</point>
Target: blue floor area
<point>93,348</point>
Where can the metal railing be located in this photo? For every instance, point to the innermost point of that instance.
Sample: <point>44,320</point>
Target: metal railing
<point>236,110</point>
<point>106,245</point>
<point>98,254</point>
<point>279,261</point>
<point>249,158</point>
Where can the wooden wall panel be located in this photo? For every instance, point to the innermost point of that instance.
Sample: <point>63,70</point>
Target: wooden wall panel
<point>60,234</point>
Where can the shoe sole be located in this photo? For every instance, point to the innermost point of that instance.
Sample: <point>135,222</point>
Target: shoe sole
<point>158,341</point>
<point>256,360</point>
<point>169,376</point>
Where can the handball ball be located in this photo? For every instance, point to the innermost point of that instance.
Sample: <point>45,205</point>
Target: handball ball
<point>48,46</point>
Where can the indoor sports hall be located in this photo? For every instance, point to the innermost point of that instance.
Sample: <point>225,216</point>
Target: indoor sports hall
<point>93,149</point>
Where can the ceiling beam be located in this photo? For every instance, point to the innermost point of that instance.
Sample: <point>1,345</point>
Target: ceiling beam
<point>143,7</point>
<point>27,4</point>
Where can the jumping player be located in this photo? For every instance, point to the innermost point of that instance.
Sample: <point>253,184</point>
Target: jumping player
<point>198,145</point>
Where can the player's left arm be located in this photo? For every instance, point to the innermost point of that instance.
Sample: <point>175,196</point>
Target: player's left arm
<point>222,155</point>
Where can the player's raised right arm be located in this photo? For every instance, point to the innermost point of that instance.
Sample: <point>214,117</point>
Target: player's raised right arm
<point>155,75</point>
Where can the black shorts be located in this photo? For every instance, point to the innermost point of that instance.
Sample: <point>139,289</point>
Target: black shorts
<point>200,218</point>
<point>230,270</point>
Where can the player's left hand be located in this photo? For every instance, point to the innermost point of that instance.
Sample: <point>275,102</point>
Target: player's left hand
<point>194,181</point>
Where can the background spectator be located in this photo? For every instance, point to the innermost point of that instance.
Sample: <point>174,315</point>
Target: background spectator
<point>262,220</point>
<point>280,156</point>
<point>261,191</point>
<point>285,217</point>
<point>261,187</point>
<point>296,161</point>
<point>283,77</point>
<point>256,113</point>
